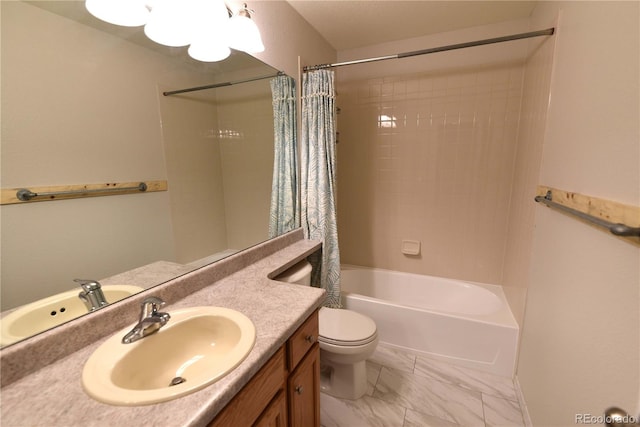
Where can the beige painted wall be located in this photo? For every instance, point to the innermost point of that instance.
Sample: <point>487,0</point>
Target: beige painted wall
<point>580,344</point>
<point>287,36</point>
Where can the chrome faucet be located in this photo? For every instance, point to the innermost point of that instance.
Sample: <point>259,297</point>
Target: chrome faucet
<point>91,294</point>
<point>151,320</point>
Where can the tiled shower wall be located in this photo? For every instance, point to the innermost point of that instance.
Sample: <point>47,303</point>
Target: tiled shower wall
<point>219,166</point>
<point>245,134</point>
<point>429,157</point>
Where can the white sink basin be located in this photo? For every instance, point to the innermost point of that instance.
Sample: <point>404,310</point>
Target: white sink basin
<point>197,347</point>
<point>48,312</point>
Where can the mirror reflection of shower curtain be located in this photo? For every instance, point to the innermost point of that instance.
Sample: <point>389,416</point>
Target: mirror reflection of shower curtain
<point>318,179</point>
<point>284,213</point>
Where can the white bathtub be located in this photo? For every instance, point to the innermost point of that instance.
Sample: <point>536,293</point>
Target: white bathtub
<point>466,323</point>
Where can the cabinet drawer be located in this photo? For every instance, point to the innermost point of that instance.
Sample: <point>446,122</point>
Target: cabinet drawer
<point>302,340</point>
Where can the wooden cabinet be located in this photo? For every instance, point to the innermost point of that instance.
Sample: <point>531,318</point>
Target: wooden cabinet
<point>286,390</point>
<point>276,413</point>
<point>303,384</point>
<point>303,388</point>
<point>250,403</point>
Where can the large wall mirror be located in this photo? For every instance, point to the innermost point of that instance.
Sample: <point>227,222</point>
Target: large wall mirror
<point>83,103</point>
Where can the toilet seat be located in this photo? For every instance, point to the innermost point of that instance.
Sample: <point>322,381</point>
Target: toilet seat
<point>345,327</point>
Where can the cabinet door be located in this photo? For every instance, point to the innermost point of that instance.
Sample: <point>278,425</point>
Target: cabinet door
<point>304,391</point>
<point>276,413</point>
<point>301,341</point>
<point>247,406</point>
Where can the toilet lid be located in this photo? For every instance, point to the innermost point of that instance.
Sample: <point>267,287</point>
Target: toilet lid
<point>345,327</point>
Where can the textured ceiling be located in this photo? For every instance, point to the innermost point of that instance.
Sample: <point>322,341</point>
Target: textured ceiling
<point>348,24</point>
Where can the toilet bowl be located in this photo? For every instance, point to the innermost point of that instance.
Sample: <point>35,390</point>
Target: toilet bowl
<point>346,340</point>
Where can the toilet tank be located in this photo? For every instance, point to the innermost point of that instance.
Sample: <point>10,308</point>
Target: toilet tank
<point>299,274</point>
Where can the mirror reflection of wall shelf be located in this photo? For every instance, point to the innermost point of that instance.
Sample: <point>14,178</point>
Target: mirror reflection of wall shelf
<point>61,192</point>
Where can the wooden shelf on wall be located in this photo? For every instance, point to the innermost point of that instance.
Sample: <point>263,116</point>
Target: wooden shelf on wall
<point>606,210</point>
<point>74,191</point>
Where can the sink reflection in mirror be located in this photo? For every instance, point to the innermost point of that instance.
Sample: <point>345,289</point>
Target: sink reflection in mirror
<point>55,310</point>
<point>195,348</point>
<point>97,124</point>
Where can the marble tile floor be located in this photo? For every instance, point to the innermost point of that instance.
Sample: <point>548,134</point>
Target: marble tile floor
<point>409,390</point>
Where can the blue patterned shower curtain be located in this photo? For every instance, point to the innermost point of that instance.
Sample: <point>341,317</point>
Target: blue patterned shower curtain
<point>284,214</point>
<point>318,178</point>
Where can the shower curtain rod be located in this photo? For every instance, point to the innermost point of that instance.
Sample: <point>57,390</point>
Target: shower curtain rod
<point>547,32</point>
<point>216,85</point>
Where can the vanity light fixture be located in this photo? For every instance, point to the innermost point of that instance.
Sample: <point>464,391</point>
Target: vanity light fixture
<point>244,33</point>
<point>210,41</point>
<point>209,27</point>
<point>170,22</point>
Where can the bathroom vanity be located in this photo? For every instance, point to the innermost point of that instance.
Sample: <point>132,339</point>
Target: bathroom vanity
<point>286,391</point>
<point>277,384</point>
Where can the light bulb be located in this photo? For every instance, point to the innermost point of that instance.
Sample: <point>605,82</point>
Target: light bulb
<point>208,52</point>
<point>170,22</point>
<point>128,13</point>
<point>210,32</point>
<point>244,34</point>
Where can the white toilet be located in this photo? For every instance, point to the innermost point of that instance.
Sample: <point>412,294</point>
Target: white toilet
<point>346,340</point>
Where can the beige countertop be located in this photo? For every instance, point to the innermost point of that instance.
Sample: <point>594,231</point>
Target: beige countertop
<point>53,394</point>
